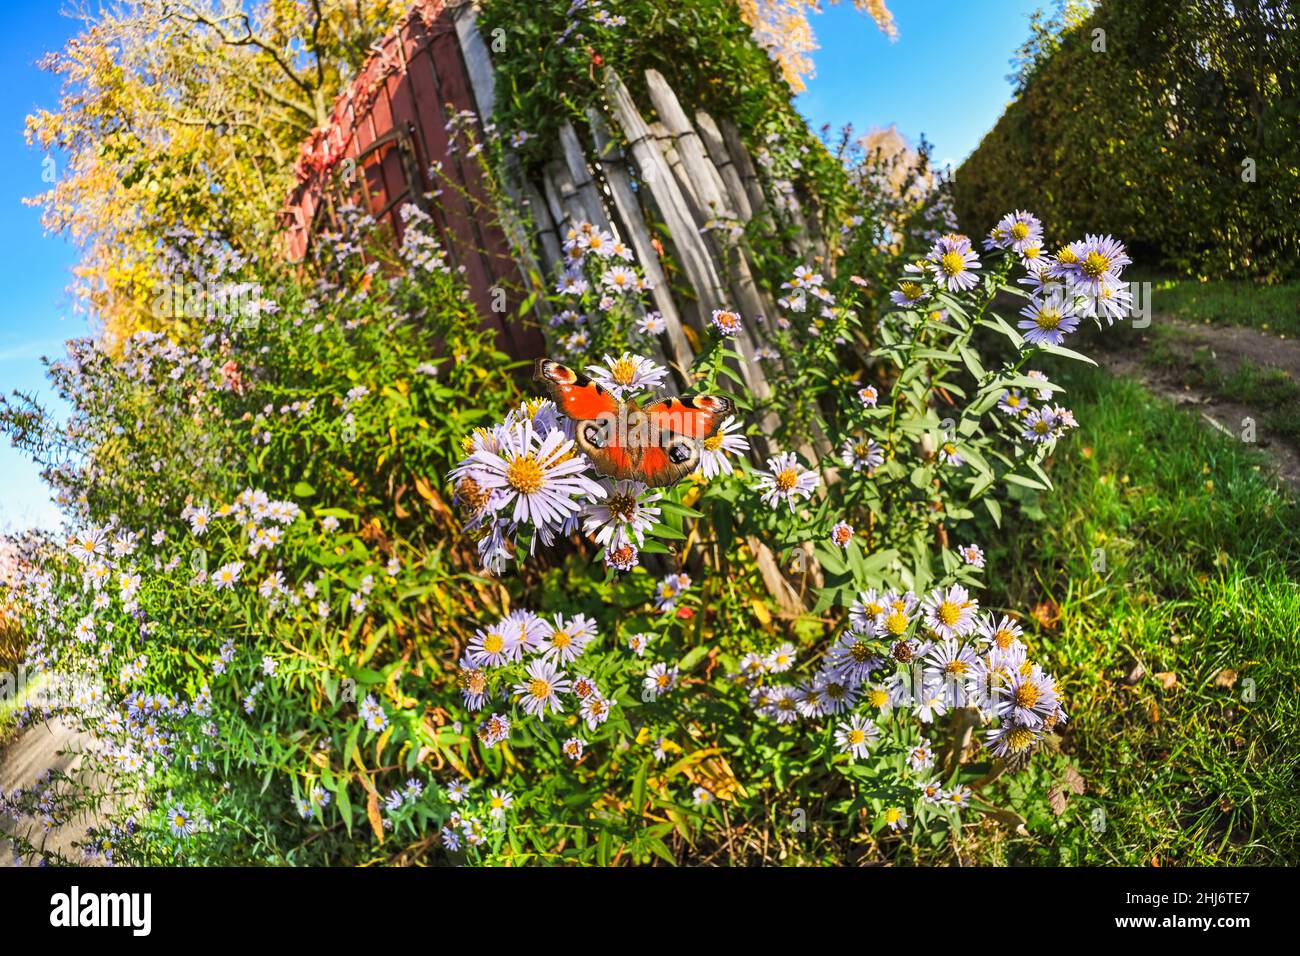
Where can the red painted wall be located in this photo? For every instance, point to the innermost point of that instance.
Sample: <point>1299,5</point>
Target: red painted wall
<point>416,80</point>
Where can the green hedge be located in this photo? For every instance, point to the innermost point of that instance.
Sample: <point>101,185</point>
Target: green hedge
<point>1150,136</point>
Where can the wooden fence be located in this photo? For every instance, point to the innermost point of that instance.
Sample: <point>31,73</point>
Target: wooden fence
<point>629,167</point>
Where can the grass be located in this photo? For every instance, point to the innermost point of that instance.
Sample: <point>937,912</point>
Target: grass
<point>1180,655</point>
<point>1270,308</point>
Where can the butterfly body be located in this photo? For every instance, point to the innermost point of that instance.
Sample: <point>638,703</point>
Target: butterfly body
<point>657,445</point>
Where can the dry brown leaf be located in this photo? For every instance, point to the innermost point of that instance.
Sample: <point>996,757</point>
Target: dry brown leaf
<point>1073,780</point>
<point>1057,800</point>
<point>1168,679</point>
<point>1226,678</point>
<point>376,818</point>
<point>1135,674</point>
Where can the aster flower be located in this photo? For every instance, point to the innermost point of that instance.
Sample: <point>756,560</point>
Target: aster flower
<point>932,791</point>
<point>841,534</point>
<point>1011,740</point>
<point>1048,321</point>
<point>868,396</point>
<point>659,679</point>
<point>652,323</point>
<point>856,735</point>
<point>499,801</point>
<point>853,657</point>
<point>715,451</point>
<point>492,648</point>
<point>524,630</point>
<point>541,476</point>
<point>670,589</point>
<point>374,716</point>
<point>863,612</point>
<point>623,558</point>
<point>726,322</point>
<point>627,374</point>
<point>932,701</point>
<point>1041,426</point>
<point>473,683</point>
<point>900,610</point>
<point>624,513</point>
<point>225,577</point>
<point>1018,230</point>
<point>568,639</point>
<point>958,797</point>
<point>1012,402</point>
<point>1001,633</point>
<point>950,613</point>
<point>972,554</point>
<point>1027,698</point>
<point>180,821</point>
<point>862,454</point>
<point>921,757</point>
<point>540,691</point>
<point>785,480</point>
<point>573,748</point>
<point>949,455</point>
<point>572,283</point>
<point>595,710</point>
<point>954,263</point>
<point>781,659</point>
<point>908,294</point>
<point>1094,260</point>
<point>783,704</point>
<point>619,279</point>
<point>895,818</point>
<point>836,694</point>
<point>494,730</point>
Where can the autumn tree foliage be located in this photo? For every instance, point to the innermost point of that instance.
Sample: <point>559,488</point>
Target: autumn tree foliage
<point>187,115</point>
<point>782,28</point>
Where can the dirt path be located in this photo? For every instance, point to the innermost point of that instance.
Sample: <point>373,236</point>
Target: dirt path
<point>1170,356</point>
<point>34,751</point>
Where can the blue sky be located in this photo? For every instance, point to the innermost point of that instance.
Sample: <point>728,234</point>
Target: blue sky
<point>34,268</point>
<point>944,77</point>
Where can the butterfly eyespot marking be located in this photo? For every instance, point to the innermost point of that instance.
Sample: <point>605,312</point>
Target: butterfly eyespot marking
<point>594,434</point>
<point>679,451</point>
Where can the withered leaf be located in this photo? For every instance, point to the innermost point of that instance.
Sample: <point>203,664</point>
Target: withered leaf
<point>1057,799</point>
<point>1073,780</point>
<point>1226,678</point>
<point>1168,679</point>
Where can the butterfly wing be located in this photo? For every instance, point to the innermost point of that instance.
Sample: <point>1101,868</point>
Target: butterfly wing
<point>600,420</point>
<point>678,430</point>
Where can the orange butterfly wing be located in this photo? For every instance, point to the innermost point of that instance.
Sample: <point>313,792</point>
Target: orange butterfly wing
<point>596,414</point>
<point>658,446</point>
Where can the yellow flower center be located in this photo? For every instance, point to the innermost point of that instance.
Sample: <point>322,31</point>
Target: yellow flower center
<point>1027,694</point>
<point>623,371</point>
<point>956,667</point>
<point>1020,739</point>
<point>713,442</point>
<point>622,507</point>
<point>1003,638</point>
<point>896,622</point>
<point>786,480</point>
<point>953,263</point>
<point>857,737</point>
<point>1048,318</point>
<point>878,697</point>
<point>494,643</point>
<point>949,613</point>
<point>1095,265</point>
<point>1020,231</point>
<point>539,688</point>
<point>1066,256</point>
<point>525,475</point>
<point>911,289</point>
<point>860,652</point>
<point>561,640</point>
